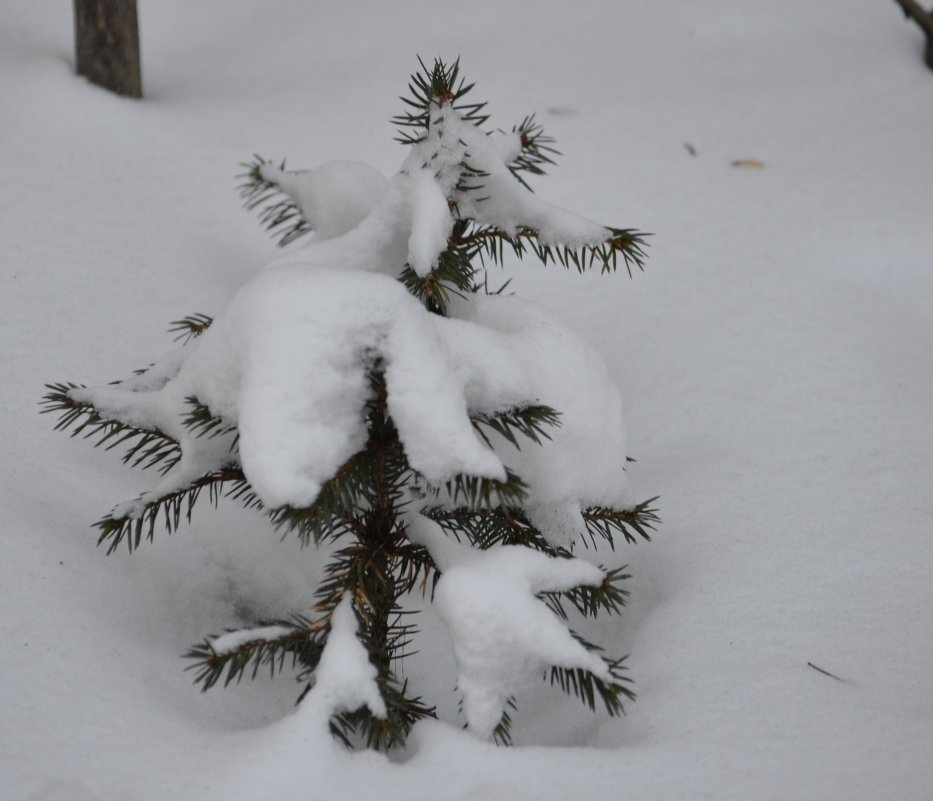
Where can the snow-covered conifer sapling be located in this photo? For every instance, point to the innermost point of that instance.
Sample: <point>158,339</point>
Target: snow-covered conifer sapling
<point>422,433</point>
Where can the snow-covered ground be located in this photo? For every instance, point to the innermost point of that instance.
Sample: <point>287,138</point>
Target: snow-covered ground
<point>776,361</point>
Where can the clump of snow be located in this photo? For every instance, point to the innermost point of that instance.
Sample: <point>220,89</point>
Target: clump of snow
<point>502,201</point>
<point>334,197</point>
<point>345,679</point>
<point>583,462</point>
<point>503,636</point>
<point>431,221</point>
<point>292,755</point>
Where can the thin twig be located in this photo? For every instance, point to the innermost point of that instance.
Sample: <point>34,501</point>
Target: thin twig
<point>827,673</point>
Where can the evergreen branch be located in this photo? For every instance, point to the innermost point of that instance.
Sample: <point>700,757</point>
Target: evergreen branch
<point>529,421</point>
<point>372,478</point>
<point>605,522</point>
<point>316,523</point>
<point>504,525</point>
<point>343,497</point>
<point>189,327</point>
<point>201,422</point>
<point>470,178</point>
<point>367,571</point>
<point>502,734</point>
<point>432,89</point>
<point>590,601</point>
<point>403,711</point>
<point>453,274</point>
<point>279,213</point>
<point>362,571</point>
<point>587,687</point>
<point>144,448</point>
<point>300,644</point>
<point>536,150</point>
<point>172,506</point>
<point>484,493</point>
<point>628,243</point>
<point>412,566</point>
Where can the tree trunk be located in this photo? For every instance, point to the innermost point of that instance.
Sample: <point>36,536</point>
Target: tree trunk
<point>107,45</point>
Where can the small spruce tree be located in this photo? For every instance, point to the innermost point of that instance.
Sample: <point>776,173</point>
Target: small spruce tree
<point>375,398</point>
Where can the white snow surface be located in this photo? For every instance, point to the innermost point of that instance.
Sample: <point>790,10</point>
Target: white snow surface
<point>774,360</point>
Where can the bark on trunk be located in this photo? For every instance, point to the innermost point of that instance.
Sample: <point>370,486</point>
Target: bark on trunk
<point>107,45</point>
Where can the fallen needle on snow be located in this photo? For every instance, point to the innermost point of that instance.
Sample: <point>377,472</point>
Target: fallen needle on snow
<point>827,673</point>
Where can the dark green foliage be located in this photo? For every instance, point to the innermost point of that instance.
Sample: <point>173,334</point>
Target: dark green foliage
<point>172,508</point>
<point>436,87</point>
<point>299,645</point>
<point>484,528</point>
<point>608,523</point>
<point>203,423</point>
<point>189,327</point>
<point>358,521</point>
<point>531,422</point>
<point>143,448</point>
<point>608,597</point>
<point>279,213</point>
<point>626,243</point>
<point>486,493</point>
<point>588,687</point>
<point>454,274</point>
<point>403,711</point>
<point>502,734</point>
<point>536,150</point>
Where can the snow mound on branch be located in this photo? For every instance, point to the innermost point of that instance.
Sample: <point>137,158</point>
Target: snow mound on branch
<point>500,200</point>
<point>385,224</point>
<point>583,462</point>
<point>288,362</point>
<point>333,198</point>
<point>157,401</point>
<point>283,759</point>
<point>503,636</point>
<point>431,222</point>
<point>345,679</point>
